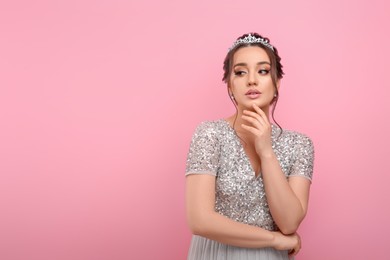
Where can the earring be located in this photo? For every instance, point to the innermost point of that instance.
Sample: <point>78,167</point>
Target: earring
<point>233,99</point>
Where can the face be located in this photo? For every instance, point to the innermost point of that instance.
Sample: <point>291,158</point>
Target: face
<point>250,80</point>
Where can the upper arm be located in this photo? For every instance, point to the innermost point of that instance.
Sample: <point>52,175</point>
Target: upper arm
<point>303,158</point>
<point>203,155</point>
<point>302,170</point>
<point>200,198</point>
<point>201,171</point>
<point>301,188</point>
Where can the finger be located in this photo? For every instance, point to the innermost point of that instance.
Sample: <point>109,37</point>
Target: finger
<point>296,250</point>
<point>300,243</point>
<point>254,115</point>
<point>252,120</point>
<point>250,129</point>
<point>293,252</point>
<point>260,112</point>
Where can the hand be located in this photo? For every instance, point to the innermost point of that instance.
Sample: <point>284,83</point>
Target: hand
<point>292,243</point>
<point>261,128</point>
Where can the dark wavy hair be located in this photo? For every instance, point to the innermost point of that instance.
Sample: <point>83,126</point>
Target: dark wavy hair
<point>276,68</point>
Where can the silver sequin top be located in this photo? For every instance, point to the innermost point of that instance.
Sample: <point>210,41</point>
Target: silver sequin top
<point>216,149</point>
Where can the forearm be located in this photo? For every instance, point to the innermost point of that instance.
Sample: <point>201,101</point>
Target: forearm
<point>217,227</point>
<point>285,207</point>
<point>203,220</point>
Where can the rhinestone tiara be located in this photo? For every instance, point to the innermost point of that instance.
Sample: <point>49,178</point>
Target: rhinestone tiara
<point>252,39</point>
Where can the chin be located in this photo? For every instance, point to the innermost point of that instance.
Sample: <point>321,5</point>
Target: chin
<point>258,103</point>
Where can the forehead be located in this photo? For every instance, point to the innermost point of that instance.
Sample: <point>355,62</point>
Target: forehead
<point>250,54</point>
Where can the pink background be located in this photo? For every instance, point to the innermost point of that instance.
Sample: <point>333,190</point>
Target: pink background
<point>99,100</point>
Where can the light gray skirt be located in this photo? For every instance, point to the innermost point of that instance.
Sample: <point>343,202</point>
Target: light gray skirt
<point>206,249</point>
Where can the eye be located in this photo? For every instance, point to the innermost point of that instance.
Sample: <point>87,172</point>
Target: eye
<point>239,73</point>
<point>263,71</point>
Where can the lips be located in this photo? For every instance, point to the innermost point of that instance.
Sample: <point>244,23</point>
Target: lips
<point>253,93</point>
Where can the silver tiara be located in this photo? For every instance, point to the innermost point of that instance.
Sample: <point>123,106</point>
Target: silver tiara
<point>252,39</point>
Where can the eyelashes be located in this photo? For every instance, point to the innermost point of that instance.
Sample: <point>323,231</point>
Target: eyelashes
<point>264,72</point>
<point>239,73</point>
<point>242,72</point>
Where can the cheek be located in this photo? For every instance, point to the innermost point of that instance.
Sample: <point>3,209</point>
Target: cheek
<point>267,81</point>
<point>232,83</point>
<point>236,81</point>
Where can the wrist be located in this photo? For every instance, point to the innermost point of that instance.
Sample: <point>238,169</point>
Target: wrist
<point>266,154</point>
<point>275,240</point>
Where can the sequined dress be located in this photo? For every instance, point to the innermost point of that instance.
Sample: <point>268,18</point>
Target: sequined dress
<point>216,150</point>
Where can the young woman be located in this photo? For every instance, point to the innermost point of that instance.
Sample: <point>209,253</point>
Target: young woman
<point>247,180</point>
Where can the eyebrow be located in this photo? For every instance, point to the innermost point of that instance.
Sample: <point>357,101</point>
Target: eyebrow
<point>244,64</point>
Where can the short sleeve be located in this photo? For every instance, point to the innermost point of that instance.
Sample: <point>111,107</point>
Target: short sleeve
<point>203,155</point>
<point>304,158</point>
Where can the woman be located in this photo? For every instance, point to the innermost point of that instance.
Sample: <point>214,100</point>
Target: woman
<point>247,180</point>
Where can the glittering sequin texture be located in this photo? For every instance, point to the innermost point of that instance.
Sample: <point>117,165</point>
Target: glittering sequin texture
<point>215,149</point>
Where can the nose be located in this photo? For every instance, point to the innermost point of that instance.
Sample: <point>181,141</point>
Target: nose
<point>252,80</point>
